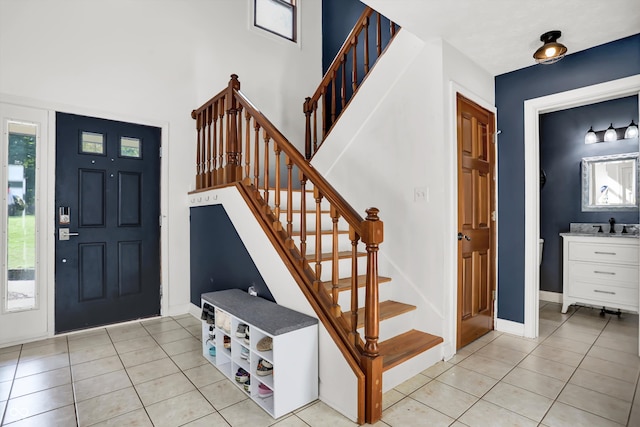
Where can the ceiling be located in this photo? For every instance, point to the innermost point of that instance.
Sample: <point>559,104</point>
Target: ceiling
<point>501,35</point>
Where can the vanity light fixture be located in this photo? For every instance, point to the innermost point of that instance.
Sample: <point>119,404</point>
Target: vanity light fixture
<point>632,131</point>
<point>551,51</point>
<point>610,134</point>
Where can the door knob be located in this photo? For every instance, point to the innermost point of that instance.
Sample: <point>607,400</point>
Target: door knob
<point>461,236</point>
<point>64,233</point>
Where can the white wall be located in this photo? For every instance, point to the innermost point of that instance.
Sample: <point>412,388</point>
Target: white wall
<point>401,118</point>
<point>152,62</point>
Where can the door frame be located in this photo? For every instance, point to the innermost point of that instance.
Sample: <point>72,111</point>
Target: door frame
<point>532,109</point>
<point>450,315</point>
<point>47,239</point>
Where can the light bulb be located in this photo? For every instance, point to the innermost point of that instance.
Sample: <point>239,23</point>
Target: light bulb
<point>610,135</point>
<point>550,51</point>
<point>590,137</point>
<point>632,131</point>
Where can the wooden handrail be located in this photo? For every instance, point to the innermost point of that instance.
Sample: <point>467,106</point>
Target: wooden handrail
<point>238,145</point>
<point>327,99</point>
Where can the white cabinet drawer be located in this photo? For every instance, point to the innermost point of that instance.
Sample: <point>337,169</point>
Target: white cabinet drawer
<point>614,274</point>
<point>612,295</point>
<point>603,252</point>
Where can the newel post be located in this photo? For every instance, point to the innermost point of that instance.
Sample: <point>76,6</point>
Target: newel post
<point>233,168</point>
<point>372,236</point>
<point>307,108</point>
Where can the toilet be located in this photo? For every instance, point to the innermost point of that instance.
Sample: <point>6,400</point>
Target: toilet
<point>541,243</point>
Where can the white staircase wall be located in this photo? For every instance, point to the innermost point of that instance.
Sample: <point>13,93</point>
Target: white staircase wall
<point>337,382</point>
<point>403,118</point>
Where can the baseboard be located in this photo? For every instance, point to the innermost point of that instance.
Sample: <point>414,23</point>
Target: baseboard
<point>551,296</point>
<point>510,327</point>
<point>194,310</point>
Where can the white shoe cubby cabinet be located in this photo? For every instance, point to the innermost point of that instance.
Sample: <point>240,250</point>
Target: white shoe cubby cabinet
<point>294,353</point>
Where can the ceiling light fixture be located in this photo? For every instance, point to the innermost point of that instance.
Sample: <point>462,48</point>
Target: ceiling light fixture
<point>551,51</point>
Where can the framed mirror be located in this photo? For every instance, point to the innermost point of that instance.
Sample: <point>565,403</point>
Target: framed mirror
<point>610,183</point>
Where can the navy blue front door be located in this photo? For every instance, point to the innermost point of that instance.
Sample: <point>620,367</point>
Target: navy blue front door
<point>108,192</point>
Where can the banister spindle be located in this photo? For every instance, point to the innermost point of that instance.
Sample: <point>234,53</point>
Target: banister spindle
<point>266,167</point>
<point>209,114</point>
<point>335,273</point>
<point>354,74</point>
<point>221,141</point>
<point>247,147</point>
<point>289,242</point>
<point>276,150</point>
<point>392,29</point>
<point>366,45</point>
<point>324,111</point>
<point>198,150</point>
<point>315,126</point>
<point>318,197</point>
<point>256,157</point>
<point>333,96</point>
<point>372,232</point>
<point>303,217</point>
<point>378,35</point>
<point>353,237</point>
<point>343,86</point>
<point>214,144</point>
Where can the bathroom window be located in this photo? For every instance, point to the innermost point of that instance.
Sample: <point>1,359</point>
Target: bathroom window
<point>276,16</point>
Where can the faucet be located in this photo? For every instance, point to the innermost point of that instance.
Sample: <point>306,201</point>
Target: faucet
<point>612,224</point>
<point>599,228</point>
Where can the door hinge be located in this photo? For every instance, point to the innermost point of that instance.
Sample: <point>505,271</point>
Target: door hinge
<point>160,151</point>
<point>493,295</point>
<point>160,220</point>
<point>493,215</point>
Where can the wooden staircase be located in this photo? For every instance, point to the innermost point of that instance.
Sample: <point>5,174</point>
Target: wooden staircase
<point>394,350</point>
<point>329,249</point>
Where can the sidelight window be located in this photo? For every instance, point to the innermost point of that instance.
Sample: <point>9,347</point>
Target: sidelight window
<point>20,244</point>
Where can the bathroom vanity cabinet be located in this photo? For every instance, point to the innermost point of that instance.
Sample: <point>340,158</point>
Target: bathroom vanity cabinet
<point>600,272</point>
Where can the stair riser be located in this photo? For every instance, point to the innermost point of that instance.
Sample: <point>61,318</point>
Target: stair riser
<point>344,267</point>
<point>385,292</point>
<point>410,368</point>
<point>393,326</point>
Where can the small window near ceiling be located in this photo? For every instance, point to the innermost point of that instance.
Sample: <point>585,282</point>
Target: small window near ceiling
<point>276,16</point>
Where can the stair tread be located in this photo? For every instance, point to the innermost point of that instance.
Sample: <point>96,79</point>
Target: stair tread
<point>344,284</point>
<point>387,310</point>
<point>328,256</point>
<point>405,346</point>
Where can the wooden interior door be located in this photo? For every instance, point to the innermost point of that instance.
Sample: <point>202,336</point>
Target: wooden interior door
<point>476,220</point>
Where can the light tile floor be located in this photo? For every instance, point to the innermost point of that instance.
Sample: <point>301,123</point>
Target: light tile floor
<point>582,371</point>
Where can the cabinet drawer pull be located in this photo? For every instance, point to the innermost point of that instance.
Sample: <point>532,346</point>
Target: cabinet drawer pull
<point>604,292</point>
<point>604,253</point>
<point>605,272</point>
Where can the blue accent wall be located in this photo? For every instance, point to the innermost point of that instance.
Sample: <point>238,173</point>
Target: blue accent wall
<point>219,259</point>
<point>338,18</point>
<point>562,148</point>
<point>603,63</point>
